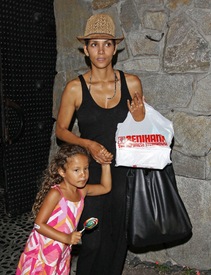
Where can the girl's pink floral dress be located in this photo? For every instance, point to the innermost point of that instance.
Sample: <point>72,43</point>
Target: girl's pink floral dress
<point>46,256</point>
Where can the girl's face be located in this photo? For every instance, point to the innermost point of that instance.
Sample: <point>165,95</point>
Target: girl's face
<point>77,171</point>
<point>100,52</point>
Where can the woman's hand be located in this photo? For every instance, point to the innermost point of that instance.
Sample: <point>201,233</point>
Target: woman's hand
<point>136,107</point>
<point>99,153</point>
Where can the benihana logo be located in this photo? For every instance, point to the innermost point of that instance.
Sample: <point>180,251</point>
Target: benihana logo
<point>142,140</point>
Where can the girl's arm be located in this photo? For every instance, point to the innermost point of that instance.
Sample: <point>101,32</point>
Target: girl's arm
<point>103,187</point>
<point>43,216</point>
<point>71,100</point>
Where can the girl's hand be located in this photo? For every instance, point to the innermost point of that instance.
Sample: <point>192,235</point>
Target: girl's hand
<point>136,107</point>
<point>74,237</point>
<point>99,153</point>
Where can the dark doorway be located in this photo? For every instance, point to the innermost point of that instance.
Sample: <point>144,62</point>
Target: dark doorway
<point>27,70</point>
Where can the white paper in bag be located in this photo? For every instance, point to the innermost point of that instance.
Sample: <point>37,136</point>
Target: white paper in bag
<point>146,143</point>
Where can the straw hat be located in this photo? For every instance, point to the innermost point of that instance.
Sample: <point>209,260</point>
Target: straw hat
<point>100,26</point>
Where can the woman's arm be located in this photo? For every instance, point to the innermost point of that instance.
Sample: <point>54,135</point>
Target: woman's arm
<point>49,203</point>
<point>136,106</point>
<point>71,100</point>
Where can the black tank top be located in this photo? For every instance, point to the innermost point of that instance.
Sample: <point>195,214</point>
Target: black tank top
<point>100,124</point>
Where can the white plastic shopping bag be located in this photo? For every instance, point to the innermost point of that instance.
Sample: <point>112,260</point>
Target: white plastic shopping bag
<point>146,143</point>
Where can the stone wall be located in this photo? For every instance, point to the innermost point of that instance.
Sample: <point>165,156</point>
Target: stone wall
<point>167,44</point>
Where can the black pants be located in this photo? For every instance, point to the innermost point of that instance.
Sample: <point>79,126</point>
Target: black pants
<point>104,249</point>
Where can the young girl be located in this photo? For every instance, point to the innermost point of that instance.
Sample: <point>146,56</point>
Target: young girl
<point>57,209</point>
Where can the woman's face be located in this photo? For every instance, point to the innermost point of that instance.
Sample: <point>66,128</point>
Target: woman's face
<point>100,52</point>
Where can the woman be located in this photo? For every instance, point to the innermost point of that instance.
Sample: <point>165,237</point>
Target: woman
<point>101,99</point>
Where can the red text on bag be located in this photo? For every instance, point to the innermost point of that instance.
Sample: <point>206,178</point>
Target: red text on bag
<point>142,140</point>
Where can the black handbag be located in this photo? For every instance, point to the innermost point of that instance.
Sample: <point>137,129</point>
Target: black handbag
<point>155,211</point>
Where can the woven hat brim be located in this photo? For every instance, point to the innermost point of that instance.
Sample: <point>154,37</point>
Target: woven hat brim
<point>99,36</point>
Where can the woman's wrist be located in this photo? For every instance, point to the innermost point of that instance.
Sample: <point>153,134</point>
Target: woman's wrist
<point>87,143</point>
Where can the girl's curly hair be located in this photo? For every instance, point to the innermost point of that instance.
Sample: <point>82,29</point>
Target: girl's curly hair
<point>51,174</point>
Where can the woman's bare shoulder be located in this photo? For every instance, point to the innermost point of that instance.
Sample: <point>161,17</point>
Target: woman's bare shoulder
<point>132,78</point>
<point>72,92</point>
<point>73,85</point>
<point>133,83</point>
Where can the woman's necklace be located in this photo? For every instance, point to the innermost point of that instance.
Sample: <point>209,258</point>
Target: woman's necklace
<point>115,81</point>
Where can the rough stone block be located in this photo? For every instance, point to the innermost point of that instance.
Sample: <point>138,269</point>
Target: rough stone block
<point>186,50</point>
<point>189,166</point>
<point>192,134</point>
<point>167,91</point>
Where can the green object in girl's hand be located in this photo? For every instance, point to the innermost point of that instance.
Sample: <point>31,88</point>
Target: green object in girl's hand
<point>89,224</point>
